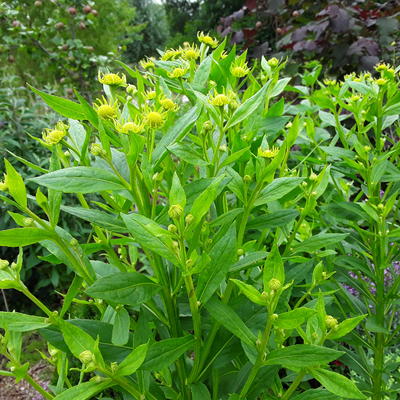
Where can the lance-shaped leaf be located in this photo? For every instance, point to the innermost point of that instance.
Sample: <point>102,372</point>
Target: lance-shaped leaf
<point>302,356</point>
<point>97,217</point>
<point>130,288</point>
<point>250,292</point>
<point>294,318</point>
<point>80,180</point>
<point>228,318</point>
<point>133,361</point>
<point>19,237</point>
<point>66,108</point>
<point>277,189</point>
<point>221,258</point>
<point>16,185</point>
<point>151,236</point>
<point>318,241</point>
<point>85,391</point>
<point>248,107</point>
<point>19,322</point>
<point>345,327</point>
<point>337,384</point>
<point>162,354</point>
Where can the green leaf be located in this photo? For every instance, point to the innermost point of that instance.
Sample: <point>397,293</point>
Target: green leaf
<point>7,281</point>
<point>188,153</point>
<point>248,107</point>
<point>346,327</point>
<point>203,202</point>
<point>234,157</point>
<point>97,217</point>
<point>302,356</point>
<point>133,361</point>
<point>66,108</point>
<point>337,384</point>
<point>279,87</point>
<point>162,354</point>
<point>273,268</point>
<point>79,341</point>
<point>177,194</point>
<point>16,185</point>
<point>80,180</point>
<point>228,318</point>
<point>294,318</point>
<point>85,391</point>
<point>130,288</point>
<point>18,322</point>
<point>319,241</point>
<point>202,73</point>
<point>315,394</point>
<point>151,236</point>
<point>277,189</point>
<point>177,131</point>
<point>120,332</point>
<point>273,220</point>
<point>248,260</point>
<point>18,237</point>
<point>221,258</point>
<point>200,391</point>
<point>250,292</point>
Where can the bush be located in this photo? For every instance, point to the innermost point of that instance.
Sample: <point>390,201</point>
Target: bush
<point>62,41</point>
<point>242,234</point>
<point>345,36</point>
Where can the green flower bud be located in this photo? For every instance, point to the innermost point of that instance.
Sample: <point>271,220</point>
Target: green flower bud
<point>274,284</point>
<point>172,228</point>
<point>4,264</point>
<point>240,252</point>
<point>208,126</point>
<point>86,357</point>
<point>274,317</point>
<point>331,322</point>
<point>175,211</point>
<point>27,221</point>
<point>189,219</point>
<point>247,178</point>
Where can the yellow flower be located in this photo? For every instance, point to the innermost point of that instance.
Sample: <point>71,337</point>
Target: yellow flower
<point>330,82</point>
<point>154,119</point>
<point>273,62</point>
<point>239,68</point>
<point>54,136</point>
<point>381,67</point>
<point>219,99</point>
<point>150,94</point>
<point>381,81</point>
<point>268,153</point>
<point>178,72</point>
<point>106,110</point>
<point>112,79</point>
<point>169,104</point>
<point>129,127</point>
<point>354,98</point>
<point>206,39</point>
<point>191,53</point>
<point>147,63</point>
<point>170,54</point>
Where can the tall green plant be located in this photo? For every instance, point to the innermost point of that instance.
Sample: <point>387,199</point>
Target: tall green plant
<point>211,262</point>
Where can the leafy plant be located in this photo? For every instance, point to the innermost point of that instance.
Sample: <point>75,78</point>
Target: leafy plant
<point>344,36</point>
<point>221,222</point>
<point>62,41</point>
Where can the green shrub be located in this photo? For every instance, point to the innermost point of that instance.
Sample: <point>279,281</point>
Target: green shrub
<point>224,220</point>
<point>64,41</point>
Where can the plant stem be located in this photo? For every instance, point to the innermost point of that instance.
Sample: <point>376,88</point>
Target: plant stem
<point>260,358</point>
<point>38,388</point>
<point>293,386</point>
<point>35,300</point>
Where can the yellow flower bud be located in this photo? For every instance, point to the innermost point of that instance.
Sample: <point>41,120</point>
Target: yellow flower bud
<point>86,357</point>
<point>3,264</point>
<point>274,284</point>
<point>330,321</point>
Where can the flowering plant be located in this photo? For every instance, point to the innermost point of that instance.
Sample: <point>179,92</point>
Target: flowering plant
<point>223,221</point>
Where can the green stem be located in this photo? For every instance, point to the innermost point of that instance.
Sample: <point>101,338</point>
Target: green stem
<point>260,358</point>
<point>35,300</point>
<point>293,386</point>
<point>38,388</point>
